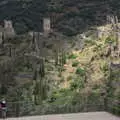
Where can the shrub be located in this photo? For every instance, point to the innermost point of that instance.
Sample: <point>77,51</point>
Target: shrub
<point>69,78</point>
<point>75,64</point>
<point>90,42</point>
<point>97,47</point>
<point>105,67</point>
<point>73,85</point>
<point>94,96</point>
<point>62,79</point>
<point>80,71</point>
<point>109,40</point>
<point>72,56</point>
<point>116,110</point>
<point>77,84</point>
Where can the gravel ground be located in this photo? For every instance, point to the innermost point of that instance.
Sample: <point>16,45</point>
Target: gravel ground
<point>78,116</point>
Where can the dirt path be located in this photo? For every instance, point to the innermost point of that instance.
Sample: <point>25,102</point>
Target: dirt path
<point>79,116</point>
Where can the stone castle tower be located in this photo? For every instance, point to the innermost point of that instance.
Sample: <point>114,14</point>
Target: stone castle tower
<point>46,25</point>
<point>9,31</point>
<point>46,28</point>
<point>1,35</point>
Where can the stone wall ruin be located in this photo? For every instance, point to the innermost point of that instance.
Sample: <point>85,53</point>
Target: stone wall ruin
<point>9,31</point>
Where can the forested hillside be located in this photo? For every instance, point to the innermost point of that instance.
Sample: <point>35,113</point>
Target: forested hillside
<point>69,74</point>
<point>73,67</point>
<point>69,17</point>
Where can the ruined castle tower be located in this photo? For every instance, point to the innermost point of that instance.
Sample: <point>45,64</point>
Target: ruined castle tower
<point>1,35</point>
<point>8,29</point>
<point>46,25</point>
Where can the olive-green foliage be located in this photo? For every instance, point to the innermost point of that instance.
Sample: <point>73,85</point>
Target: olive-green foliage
<point>3,90</point>
<point>62,80</point>
<point>98,48</point>
<point>24,65</point>
<point>62,95</point>
<point>77,83</point>
<point>113,96</point>
<point>75,64</point>
<point>55,9</point>
<point>72,56</point>
<point>116,109</point>
<point>21,28</point>
<point>90,42</point>
<point>63,58</point>
<point>80,71</point>
<point>96,97</point>
<point>69,78</point>
<point>109,40</point>
<point>59,96</point>
<point>105,67</point>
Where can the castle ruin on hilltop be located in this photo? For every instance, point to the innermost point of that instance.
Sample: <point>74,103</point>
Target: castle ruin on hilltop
<point>9,31</point>
<point>1,35</point>
<point>6,30</point>
<point>46,25</point>
<point>6,33</point>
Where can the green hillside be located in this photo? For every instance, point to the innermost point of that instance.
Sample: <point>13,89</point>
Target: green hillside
<point>71,69</point>
<point>71,77</point>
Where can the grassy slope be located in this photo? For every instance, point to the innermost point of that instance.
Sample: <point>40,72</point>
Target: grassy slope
<point>68,87</point>
<point>93,60</point>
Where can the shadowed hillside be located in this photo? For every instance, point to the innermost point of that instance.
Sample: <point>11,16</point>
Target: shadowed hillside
<point>70,17</point>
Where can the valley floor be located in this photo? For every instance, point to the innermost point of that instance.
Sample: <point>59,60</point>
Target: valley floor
<point>78,116</point>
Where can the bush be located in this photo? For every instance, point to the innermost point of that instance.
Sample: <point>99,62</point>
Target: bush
<point>96,97</point>
<point>105,67</point>
<point>77,84</point>
<point>69,78</point>
<point>90,42</point>
<point>73,85</point>
<point>75,64</point>
<point>109,40</point>
<point>98,48</point>
<point>116,110</point>
<point>80,71</point>
<point>72,56</point>
<point>62,80</point>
